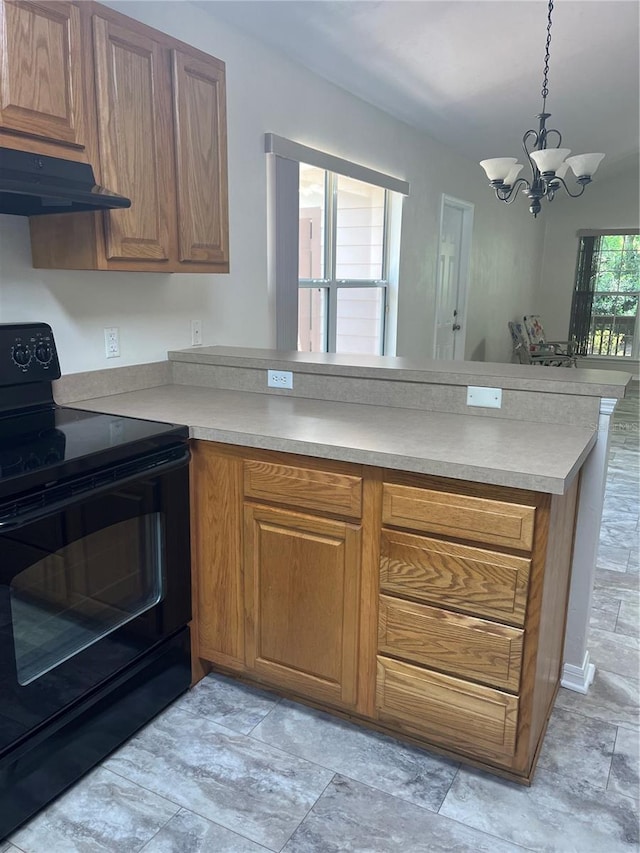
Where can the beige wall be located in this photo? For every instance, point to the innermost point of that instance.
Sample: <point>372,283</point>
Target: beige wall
<point>267,93</point>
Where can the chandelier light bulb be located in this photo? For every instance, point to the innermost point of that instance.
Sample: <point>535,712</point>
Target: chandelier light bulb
<point>584,165</point>
<point>498,168</point>
<point>550,159</point>
<point>513,174</point>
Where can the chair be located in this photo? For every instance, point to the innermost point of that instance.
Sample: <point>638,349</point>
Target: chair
<point>538,341</point>
<point>546,357</point>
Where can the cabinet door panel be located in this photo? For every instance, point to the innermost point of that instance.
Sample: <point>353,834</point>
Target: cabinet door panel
<point>133,103</point>
<point>456,644</point>
<point>301,597</point>
<point>475,580</point>
<point>455,713</point>
<point>42,72</point>
<point>201,159</point>
<point>304,488</point>
<point>462,516</point>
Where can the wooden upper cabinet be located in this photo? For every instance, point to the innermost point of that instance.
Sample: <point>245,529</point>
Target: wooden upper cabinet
<point>201,159</point>
<point>134,135</point>
<point>41,73</point>
<point>156,113</point>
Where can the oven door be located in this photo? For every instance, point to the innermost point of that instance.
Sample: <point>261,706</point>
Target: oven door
<point>88,584</point>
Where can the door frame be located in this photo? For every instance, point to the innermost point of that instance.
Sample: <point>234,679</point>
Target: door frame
<point>467,209</point>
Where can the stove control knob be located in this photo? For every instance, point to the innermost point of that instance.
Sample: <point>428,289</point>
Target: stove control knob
<point>21,355</point>
<point>43,352</point>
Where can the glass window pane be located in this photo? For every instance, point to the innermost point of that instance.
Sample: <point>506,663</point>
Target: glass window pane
<point>359,322</point>
<point>312,319</point>
<point>68,600</point>
<point>613,321</point>
<point>312,222</point>
<point>359,229</point>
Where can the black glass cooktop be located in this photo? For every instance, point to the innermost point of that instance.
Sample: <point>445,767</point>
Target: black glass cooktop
<point>58,442</point>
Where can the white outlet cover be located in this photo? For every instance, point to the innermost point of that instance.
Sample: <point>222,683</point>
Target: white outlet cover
<point>280,379</point>
<point>487,398</point>
<point>112,342</point>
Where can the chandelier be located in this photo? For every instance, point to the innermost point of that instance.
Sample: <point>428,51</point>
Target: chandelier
<point>548,165</point>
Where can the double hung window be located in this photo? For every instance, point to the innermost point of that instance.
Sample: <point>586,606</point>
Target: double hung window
<point>342,258</point>
<point>604,312</point>
<point>334,249</point>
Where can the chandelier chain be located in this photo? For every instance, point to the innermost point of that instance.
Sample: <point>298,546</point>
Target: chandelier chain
<point>545,79</point>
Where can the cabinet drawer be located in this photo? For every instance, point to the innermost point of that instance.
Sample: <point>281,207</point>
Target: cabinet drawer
<point>460,645</point>
<point>474,580</point>
<point>447,710</point>
<point>462,516</point>
<point>324,491</point>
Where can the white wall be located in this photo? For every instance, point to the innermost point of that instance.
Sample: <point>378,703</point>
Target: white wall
<point>267,93</point>
<point>608,203</point>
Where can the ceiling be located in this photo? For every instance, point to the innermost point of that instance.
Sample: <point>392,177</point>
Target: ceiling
<point>469,72</point>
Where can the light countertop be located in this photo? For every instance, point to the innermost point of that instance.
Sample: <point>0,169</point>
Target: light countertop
<point>503,452</point>
<point>555,380</point>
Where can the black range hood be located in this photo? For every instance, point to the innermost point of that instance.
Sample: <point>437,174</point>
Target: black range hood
<point>32,185</point>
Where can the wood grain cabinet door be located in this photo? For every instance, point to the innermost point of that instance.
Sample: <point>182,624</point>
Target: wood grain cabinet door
<point>201,160</point>
<point>133,93</point>
<point>41,71</point>
<point>302,578</point>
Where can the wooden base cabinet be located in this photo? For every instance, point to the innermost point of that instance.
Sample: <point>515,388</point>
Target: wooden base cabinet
<point>474,583</point>
<point>429,608</point>
<point>277,565</point>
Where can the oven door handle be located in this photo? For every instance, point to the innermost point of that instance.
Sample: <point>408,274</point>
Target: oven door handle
<point>51,508</point>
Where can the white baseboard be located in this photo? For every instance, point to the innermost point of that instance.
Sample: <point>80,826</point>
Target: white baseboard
<point>578,678</point>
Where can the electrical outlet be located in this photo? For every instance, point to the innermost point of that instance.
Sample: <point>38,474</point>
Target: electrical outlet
<point>112,342</point>
<point>279,379</point>
<point>488,398</point>
<point>196,333</point>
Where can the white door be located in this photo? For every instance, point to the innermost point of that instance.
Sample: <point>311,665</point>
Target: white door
<point>456,222</point>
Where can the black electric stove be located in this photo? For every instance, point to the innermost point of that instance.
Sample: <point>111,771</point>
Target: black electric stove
<point>41,442</point>
<point>95,594</point>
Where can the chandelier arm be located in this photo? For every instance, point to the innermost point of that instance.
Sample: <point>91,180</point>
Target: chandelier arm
<point>583,186</point>
<point>507,196</point>
<point>530,134</point>
<point>558,134</point>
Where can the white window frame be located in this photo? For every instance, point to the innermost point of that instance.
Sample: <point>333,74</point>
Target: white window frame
<point>332,284</point>
<point>283,162</point>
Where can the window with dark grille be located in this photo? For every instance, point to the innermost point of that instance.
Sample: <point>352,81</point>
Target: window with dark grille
<point>604,311</point>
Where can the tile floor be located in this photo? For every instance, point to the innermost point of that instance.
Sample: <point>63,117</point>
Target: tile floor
<point>229,769</point>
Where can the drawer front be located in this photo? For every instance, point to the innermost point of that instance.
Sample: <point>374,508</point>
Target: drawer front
<point>461,516</point>
<point>457,714</point>
<point>473,580</point>
<point>459,645</point>
<point>307,488</point>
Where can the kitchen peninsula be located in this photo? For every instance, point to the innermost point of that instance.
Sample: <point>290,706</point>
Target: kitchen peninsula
<point>371,543</point>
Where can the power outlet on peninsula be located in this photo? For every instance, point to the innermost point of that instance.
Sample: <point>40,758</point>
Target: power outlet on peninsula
<point>487,398</point>
<point>280,379</point>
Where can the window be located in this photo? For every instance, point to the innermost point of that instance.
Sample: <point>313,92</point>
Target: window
<point>334,245</point>
<point>604,313</point>
<point>341,260</point>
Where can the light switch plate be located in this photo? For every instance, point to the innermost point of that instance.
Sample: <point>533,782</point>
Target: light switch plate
<point>488,398</point>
